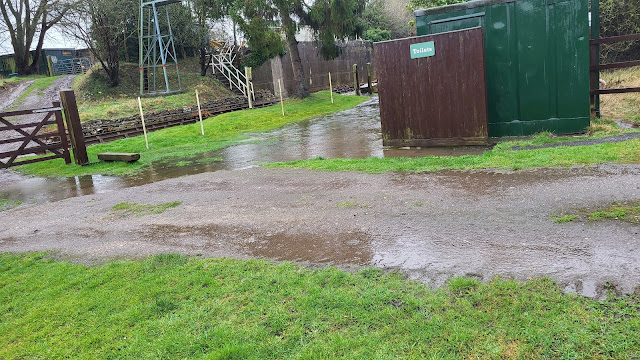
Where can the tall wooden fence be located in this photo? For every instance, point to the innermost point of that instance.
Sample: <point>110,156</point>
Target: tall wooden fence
<point>315,68</point>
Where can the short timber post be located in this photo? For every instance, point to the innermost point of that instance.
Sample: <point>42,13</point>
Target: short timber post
<point>356,81</point>
<point>63,134</point>
<point>247,76</point>
<point>369,78</point>
<point>72,118</point>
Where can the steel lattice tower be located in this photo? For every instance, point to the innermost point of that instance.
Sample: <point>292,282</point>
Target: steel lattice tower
<point>156,49</point>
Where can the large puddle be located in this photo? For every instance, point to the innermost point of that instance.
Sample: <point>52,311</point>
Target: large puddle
<point>353,133</point>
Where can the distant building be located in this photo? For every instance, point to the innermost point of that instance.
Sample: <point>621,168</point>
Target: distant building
<point>8,63</point>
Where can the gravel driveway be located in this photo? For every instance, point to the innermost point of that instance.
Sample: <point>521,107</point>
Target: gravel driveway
<point>429,226</point>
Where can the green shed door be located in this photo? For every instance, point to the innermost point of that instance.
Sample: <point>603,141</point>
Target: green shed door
<point>537,61</point>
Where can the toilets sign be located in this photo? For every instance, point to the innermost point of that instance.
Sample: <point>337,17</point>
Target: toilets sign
<point>422,50</point>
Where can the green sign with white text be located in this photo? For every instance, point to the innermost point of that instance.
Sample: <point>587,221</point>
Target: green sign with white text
<point>422,50</point>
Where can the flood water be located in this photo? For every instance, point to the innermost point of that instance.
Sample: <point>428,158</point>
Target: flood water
<point>353,133</point>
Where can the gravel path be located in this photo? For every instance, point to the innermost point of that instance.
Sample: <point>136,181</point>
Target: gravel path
<point>430,226</point>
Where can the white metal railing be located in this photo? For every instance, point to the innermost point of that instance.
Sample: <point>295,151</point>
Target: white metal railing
<point>223,63</point>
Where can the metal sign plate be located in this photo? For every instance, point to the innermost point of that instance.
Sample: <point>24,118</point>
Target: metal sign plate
<point>422,50</point>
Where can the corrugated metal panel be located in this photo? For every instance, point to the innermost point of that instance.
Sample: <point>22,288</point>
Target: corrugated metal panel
<point>435,100</point>
<point>537,59</point>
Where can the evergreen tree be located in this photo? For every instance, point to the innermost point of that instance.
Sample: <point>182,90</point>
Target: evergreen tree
<point>260,20</point>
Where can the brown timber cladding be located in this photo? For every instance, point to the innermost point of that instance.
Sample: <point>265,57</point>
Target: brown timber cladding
<point>439,100</point>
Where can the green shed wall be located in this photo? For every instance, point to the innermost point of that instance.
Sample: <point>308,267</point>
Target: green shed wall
<point>537,61</point>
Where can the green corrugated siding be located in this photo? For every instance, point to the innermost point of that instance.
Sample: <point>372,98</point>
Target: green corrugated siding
<point>8,64</point>
<point>537,62</point>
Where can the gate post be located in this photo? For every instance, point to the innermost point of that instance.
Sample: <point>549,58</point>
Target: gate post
<point>356,81</point>
<point>369,78</point>
<point>72,118</point>
<point>595,53</point>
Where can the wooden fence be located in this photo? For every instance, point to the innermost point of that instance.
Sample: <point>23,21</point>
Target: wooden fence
<point>596,67</point>
<point>29,133</point>
<point>34,141</point>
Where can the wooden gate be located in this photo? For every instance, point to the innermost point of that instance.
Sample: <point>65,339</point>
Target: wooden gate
<point>30,133</point>
<point>433,89</point>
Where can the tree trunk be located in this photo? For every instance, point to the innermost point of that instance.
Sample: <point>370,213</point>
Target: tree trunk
<point>203,62</point>
<point>113,64</point>
<point>302,89</point>
<point>22,63</point>
<point>125,48</point>
<point>183,51</point>
<point>35,62</point>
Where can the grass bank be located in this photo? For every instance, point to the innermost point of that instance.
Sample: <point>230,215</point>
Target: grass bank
<point>502,156</point>
<point>97,100</point>
<point>180,142</point>
<point>4,82</point>
<point>171,306</point>
<point>621,106</point>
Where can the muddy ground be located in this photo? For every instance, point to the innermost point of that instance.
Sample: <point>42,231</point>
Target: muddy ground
<point>430,226</point>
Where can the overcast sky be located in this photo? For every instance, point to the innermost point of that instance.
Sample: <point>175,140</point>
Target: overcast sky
<point>54,39</point>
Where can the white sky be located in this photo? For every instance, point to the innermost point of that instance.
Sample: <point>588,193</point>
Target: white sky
<point>54,39</point>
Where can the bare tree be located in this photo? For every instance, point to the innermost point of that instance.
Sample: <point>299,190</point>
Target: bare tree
<point>26,19</point>
<point>104,27</point>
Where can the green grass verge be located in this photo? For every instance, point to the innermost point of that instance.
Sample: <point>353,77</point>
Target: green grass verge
<point>625,211</point>
<point>7,204</point>
<point>501,157</point>
<point>126,208</point>
<point>564,219</point>
<point>5,81</point>
<point>174,307</point>
<point>180,142</point>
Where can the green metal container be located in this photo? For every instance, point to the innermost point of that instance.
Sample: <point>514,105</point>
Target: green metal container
<point>537,60</point>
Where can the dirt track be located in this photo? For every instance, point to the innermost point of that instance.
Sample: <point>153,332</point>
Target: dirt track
<point>431,226</point>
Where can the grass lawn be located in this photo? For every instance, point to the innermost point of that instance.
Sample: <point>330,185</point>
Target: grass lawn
<point>500,157</point>
<point>179,142</point>
<point>621,106</point>
<point>6,81</point>
<point>175,307</point>
<point>97,100</point>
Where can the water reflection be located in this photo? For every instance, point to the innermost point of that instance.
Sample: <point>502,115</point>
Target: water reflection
<point>353,133</point>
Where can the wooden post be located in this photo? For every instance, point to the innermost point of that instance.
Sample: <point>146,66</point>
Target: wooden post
<point>330,88</point>
<point>63,135</point>
<point>281,102</point>
<point>72,118</point>
<point>356,81</point>
<point>49,65</point>
<point>144,128</point>
<point>247,76</point>
<point>595,55</point>
<point>199,112</point>
<point>594,80</point>
<point>369,78</point>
